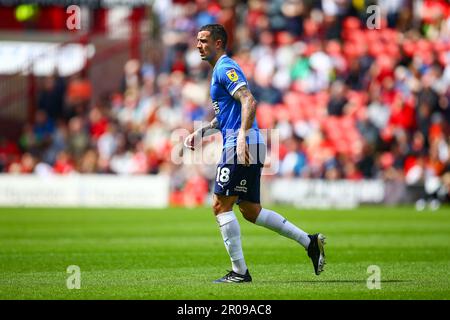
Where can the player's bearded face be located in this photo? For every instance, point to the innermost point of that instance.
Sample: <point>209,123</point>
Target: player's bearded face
<point>205,45</point>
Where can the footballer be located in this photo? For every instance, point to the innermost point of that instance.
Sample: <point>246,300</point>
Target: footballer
<point>239,169</point>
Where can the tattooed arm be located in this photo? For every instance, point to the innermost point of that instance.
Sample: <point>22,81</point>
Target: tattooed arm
<point>196,137</point>
<point>248,112</point>
<point>209,129</point>
<point>248,103</point>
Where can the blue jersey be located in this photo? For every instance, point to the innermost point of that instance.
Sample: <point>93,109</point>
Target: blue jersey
<point>227,78</point>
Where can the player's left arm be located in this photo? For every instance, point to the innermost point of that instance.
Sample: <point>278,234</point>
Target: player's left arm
<point>248,113</point>
<point>248,110</point>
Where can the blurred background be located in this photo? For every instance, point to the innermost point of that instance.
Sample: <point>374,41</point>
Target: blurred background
<point>89,103</point>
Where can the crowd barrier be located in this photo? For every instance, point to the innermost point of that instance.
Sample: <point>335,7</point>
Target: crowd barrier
<point>84,191</point>
<point>152,191</point>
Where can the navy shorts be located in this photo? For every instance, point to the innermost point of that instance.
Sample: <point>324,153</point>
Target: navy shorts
<point>234,179</point>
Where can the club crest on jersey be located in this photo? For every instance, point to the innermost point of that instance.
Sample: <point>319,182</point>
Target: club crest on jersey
<point>232,75</point>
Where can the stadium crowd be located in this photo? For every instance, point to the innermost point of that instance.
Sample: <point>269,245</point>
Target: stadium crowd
<point>349,101</point>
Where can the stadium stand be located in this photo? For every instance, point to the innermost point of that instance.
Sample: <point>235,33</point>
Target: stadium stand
<point>349,102</point>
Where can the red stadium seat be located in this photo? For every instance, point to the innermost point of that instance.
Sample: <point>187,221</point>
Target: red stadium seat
<point>351,23</point>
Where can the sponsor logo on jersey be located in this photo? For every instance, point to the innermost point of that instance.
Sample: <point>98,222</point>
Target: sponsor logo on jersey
<point>215,105</point>
<point>240,189</point>
<point>232,75</point>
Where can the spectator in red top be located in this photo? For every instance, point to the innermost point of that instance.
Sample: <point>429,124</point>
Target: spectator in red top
<point>97,122</point>
<point>63,164</point>
<point>24,166</point>
<point>79,93</point>
<point>351,171</point>
<point>8,151</point>
<point>402,114</point>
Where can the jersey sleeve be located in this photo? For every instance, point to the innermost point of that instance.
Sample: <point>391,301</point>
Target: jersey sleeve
<point>232,78</point>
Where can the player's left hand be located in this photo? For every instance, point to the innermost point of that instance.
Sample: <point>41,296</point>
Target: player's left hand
<point>243,153</point>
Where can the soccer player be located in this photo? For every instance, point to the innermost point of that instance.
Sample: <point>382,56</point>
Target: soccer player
<point>239,170</point>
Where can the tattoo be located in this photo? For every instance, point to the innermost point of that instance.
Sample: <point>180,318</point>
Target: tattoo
<point>241,93</point>
<point>248,103</point>
<point>214,124</point>
<point>210,128</point>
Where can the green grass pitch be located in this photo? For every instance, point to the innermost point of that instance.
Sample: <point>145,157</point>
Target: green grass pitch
<point>175,254</point>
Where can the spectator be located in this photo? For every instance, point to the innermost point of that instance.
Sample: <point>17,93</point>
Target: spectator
<point>51,97</point>
<point>78,139</point>
<point>63,164</point>
<point>366,103</point>
<point>295,162</point>
<point>24,166</point>
<point>58,142</point>
<point>88,162</point>
<point>338,99</point>
<point>79,92</point>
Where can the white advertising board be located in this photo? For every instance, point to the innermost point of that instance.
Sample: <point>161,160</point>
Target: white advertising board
<point>84,191</point>
<point>326,194</point>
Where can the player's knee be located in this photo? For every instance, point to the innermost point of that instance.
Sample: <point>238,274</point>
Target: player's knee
<point>250,213</point>
<point>219,207</point>
<point>247,216</point>
<point>216,207</point>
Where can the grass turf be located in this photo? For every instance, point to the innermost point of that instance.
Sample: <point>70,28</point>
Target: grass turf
<point>175,254</point>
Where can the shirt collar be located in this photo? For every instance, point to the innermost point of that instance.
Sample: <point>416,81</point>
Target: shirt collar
<point>217,62</point>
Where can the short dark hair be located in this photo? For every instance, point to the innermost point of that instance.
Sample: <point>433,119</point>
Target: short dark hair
<point>217,33</point>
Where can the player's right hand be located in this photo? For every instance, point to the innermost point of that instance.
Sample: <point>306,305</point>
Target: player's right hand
<point>192,140</point>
